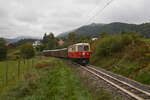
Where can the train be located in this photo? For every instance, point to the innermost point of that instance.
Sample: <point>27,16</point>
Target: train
<point>79,53</point>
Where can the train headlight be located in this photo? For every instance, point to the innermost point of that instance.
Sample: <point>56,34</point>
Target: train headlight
<point>83,53</point>
<point>87,53</point>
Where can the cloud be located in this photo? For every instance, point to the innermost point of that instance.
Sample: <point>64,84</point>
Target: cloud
<point>35,17</point>
<point>125,11</point>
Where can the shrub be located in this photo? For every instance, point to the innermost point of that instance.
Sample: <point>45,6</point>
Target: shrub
<point>27,50</point>
<point>109,45</point>
<point>127,39</point>
<point>114,43</point>
<point>143,77</point>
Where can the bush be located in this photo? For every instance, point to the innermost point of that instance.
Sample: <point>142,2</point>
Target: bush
<point>109,45</point>
<point>143,77</point>
<point>127,39</point>
<point>3,49</point>
<point>114,43</point>
<point>27,50</point>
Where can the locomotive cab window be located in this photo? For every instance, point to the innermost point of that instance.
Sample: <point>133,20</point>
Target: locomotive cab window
<point>86,48</point>
<point>80,48</point>
<point>83,48</point>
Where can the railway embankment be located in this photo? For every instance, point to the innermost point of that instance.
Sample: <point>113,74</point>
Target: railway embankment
<point>125,54</point>
<point>97,87</point>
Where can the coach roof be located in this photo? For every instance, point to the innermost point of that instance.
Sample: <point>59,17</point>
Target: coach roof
<point>55,50</point>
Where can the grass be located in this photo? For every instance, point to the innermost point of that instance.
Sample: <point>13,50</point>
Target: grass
<point>13,72</point>
<point>13,51</point>
<point>51,80</point>
<point>13,54</point>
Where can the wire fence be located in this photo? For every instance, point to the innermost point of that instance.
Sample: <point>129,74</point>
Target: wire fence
<point>11,71</point>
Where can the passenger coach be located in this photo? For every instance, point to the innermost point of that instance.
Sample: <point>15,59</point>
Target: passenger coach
<point>79,52</point>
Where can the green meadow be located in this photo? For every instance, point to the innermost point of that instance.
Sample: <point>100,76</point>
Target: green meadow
<point>13,73</point>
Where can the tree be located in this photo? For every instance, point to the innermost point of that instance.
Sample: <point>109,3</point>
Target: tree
<point>52,44</point>
<point>51,36</point>
<point>72,37</point>
<point>45,40</point>
<point>49,41</point>
<point>3,49</point>
<point>27,50</point>
<point>103,34</point>
<point>48,37</point>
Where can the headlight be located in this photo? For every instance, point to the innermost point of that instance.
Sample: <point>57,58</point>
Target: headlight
<point>83,53</point>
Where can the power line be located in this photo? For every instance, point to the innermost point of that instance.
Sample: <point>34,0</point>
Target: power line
<point>100,11</point>
<point>94,8</point>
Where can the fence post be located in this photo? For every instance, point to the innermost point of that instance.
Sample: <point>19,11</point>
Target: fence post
<point>24,60</point>
<point>6,73</point>
<point>18,68</point>
<point>27,64</point>
<point>32,62</point>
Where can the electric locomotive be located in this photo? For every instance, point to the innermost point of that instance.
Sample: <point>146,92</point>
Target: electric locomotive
<point>79,52</point>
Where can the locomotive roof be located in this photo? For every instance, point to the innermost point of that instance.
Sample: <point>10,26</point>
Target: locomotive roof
<point>79,44</point>
<point>55,50</point>
<point>82,44</point>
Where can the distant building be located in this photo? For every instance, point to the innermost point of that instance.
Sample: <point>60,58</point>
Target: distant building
<point>36,43</point>
<point>94,39</point>
<point>61,42</point>
<point>10,45</point>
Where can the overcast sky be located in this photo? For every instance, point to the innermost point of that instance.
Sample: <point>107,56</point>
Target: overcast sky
<point>35,17</point>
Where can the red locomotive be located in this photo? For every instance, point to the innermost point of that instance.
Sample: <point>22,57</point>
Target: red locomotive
<point>79,52</point>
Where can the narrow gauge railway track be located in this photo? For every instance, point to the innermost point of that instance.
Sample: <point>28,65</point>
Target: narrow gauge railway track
<point>132,91</point>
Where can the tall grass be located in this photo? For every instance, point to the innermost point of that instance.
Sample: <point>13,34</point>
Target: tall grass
<point>13,71</point>
<point>52,80</point>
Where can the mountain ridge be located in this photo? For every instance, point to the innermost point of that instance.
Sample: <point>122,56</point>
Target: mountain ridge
<point>95,29</point>
<point>16,39</point>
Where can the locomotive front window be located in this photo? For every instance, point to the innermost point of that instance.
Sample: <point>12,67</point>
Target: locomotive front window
<point>80,48</point>
<point>86,48</point>
<point>83,48</point>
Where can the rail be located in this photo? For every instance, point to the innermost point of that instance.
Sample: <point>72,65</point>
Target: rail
<point>133,91</point>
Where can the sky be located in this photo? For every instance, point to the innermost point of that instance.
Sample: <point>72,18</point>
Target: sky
<point>36,17</point>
